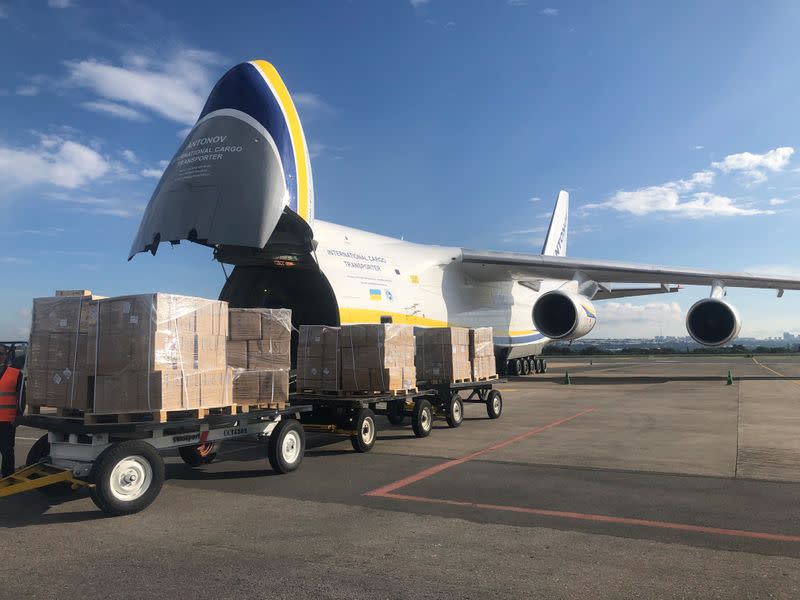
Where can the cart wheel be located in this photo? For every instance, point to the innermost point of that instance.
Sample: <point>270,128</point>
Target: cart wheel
<point>364,438</point>
<point>494,404</point>
<point>199,455</point>
<point>422,418</point>
<point>394,412</point>
<point>455,410</point>
<point>127,478</point>
<point>41,451</point>
<point>287,444</point>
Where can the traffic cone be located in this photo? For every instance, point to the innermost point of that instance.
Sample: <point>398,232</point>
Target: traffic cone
<point>567,380</point>
<point>730,378</point>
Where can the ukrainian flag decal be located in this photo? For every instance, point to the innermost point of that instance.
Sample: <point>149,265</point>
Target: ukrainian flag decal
<point>374,294</point>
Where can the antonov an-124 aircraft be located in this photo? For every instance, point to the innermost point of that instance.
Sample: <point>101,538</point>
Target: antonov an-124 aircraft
<point>241,183</point>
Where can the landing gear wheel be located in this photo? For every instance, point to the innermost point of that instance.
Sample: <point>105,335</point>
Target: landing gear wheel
<point>516,367</point>
<point>544,366</point>
<point>526,366</point>
<point>394,412</point>
<point>422,418</point>
<point>286,446</point>
<point>203,454</point>
<point>40,451</point>
<point>127,478</point>
<point>455,410</point>
<point>537,365</point>
<point>494,404</point>
<point>364,438</point>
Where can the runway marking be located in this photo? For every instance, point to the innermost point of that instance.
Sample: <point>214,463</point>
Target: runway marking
<point>758,535</point>
<point>386,489</point>
<point>785,377</point>
<point>390,491</point>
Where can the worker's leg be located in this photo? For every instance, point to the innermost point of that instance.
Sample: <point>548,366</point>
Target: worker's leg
<point>7,432</point>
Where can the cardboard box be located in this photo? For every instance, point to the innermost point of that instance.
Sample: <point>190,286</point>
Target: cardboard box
<point>237,354</point>
<point>268,355</point>
<point>44,387</point>
<point>216,388</point>
<point>318,358</point>
<point>274,387</point>
<point>63,315</point>
<point>247,387</point>
<point>244,324</point>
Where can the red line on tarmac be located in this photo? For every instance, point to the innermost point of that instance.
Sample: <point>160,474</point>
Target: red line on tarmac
<point>387,489</point>
<point>758,535</point>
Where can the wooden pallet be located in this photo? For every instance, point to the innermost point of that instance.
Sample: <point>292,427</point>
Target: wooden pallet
<point>246,408</point>
<point>154,416</point>
<point>489,378</point>
<point>445,381</point>
<point>360,393</point>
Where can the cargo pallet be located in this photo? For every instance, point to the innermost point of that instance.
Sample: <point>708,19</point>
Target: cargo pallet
<point>353,415</point>
<point>121,464</point>
<point>449,403</point>
<point>152,416</point>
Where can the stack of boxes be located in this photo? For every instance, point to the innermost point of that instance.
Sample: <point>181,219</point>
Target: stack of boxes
<point>128,354</point>
<point>481,353</point>
<point>377,358</point>
<point>443,354</point>
<point>318,359</point>
<point>57,367</point>
<point>259,351</point>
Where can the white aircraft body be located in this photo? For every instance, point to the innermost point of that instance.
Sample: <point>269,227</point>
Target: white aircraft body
<point>241,183</point>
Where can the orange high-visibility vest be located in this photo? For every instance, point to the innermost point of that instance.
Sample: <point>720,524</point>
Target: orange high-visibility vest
<point>8,395</point>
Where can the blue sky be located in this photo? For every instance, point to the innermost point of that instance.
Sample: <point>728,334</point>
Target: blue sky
<point>673,125</point>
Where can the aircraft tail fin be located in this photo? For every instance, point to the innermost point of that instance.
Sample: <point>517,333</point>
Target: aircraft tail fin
<point>555,244</point>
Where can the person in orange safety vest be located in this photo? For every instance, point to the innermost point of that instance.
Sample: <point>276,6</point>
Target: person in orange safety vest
<point>10,382</point>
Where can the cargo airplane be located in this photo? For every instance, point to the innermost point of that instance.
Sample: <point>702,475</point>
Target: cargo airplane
<point>241,184</point>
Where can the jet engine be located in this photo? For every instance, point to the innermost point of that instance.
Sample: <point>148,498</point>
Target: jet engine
<point>560,315</point>
<point>713,322</point>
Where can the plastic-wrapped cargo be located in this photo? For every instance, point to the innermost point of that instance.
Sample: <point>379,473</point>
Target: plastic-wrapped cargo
<point>443,354</point>
<point>259,351</point>
<point>318,359</point>
<point>143,352</point>
<point>377,357</point>
<point>481,353</point>
<point>57,367</point>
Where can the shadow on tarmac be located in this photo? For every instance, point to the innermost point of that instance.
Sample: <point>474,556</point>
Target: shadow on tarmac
<point>648,379</point>
<point>31,507</point>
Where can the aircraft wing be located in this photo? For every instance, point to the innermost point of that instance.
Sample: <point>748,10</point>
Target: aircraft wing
<point>502,266</point>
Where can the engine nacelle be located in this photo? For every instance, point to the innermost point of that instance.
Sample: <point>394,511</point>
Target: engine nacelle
<point>713,322</point>
<point>563,316</point>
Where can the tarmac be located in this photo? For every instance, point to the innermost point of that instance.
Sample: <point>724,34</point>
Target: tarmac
<point>646,477</point>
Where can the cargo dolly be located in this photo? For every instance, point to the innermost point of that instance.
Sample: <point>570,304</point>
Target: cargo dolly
<point>121,464</point>
<point>354,415</point>
<point>447,399</point>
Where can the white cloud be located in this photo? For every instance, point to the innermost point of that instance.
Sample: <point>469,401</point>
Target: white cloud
<point>59,3</point>
<point>666,199</point>
<point>418,2</point>
<point>753,165</point>
<point>54,161</point>
<point>114,109</point>
<point>700,179</point>
<point>310,104</point>
<point>516,2</point>
<point>777,201</point>
<point>3,12</point>
<point>13,260</point>
<point>27,90</point>
<point>534,199</point>
<point>107,206</point>
<point>174,88</point>
<point>699,147</point>
<point>549,12</point>
<point>130,156</point>
<point>315,149</point>
<point>154,173</point>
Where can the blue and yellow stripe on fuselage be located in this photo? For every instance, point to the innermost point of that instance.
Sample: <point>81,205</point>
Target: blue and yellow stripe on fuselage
<point>256,89</point>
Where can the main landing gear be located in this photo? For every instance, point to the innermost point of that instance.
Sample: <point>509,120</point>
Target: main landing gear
<point>526,365</point>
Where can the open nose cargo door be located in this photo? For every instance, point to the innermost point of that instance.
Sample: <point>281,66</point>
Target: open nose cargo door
<point>243,168</point>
